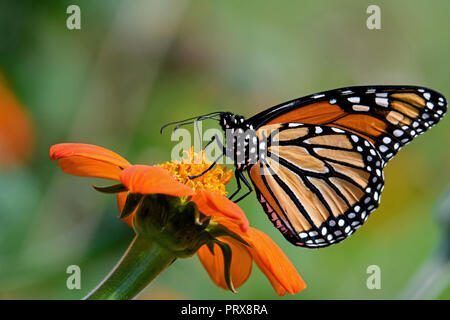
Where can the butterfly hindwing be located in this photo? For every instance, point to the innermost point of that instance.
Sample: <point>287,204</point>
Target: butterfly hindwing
<point>317,184</point>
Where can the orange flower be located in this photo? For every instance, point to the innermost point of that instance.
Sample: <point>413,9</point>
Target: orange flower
<point>207,192</point>
<point>16,129</point>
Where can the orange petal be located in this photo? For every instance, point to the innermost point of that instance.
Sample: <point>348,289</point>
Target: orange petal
<point>153,179</point>
<point>87,160</point>
<point>121,198</point>
<point>216,205</point>
<point>241,263</point>
<point>273,263</point>
<point>271,260</point>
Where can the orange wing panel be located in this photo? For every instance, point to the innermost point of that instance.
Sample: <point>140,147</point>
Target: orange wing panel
<point>316,113</point>
<point>324,113</point>
<point>367,125</point>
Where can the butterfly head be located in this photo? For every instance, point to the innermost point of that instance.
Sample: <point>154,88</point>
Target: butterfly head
<point>231,121</point>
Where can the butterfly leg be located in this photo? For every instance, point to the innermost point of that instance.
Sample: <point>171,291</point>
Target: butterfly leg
<point>239,177</point>
<point>214,138</point>
<point>238,182</point>
<point>219,143</point>
<point>209,168</point>
<point>210,141</point>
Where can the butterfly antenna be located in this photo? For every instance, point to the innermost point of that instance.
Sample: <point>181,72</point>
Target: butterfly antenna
<point>176,122</point>
<point>180,123</point>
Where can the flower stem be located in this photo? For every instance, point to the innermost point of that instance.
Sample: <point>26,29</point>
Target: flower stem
<point>143,261</point>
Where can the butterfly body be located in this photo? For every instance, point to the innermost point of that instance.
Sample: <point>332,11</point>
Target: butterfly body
<point>241,145</point>
<point>316,163</point>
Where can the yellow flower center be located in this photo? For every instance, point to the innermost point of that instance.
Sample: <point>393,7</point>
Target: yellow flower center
<point>194,164</point>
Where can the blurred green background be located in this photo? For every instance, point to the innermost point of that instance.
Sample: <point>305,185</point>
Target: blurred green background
<point>136,65</point>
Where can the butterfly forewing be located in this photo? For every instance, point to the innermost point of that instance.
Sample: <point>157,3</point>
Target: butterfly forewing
<point>317,184</point>
<point>387,116</point>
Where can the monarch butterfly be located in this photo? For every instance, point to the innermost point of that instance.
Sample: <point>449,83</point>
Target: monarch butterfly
<point>324,176</point>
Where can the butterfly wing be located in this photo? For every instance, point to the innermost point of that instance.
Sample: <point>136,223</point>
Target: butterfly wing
<point>387,116</point>
<point>317,184</point>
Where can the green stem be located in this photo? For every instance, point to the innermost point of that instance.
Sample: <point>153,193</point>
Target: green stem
<point>143,261</point>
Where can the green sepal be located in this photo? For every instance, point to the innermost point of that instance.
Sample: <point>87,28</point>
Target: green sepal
<point>219,230</point>
<point>131,203</point>
<point>171,222</point>
<point>227,254</point>
<point>210,245</point>
<point>115,188</point>
<point>197,216</point>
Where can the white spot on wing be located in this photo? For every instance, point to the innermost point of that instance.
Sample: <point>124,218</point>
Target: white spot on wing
<point>383,102</point>
<point>354,99</point>
<point>360,107</point>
